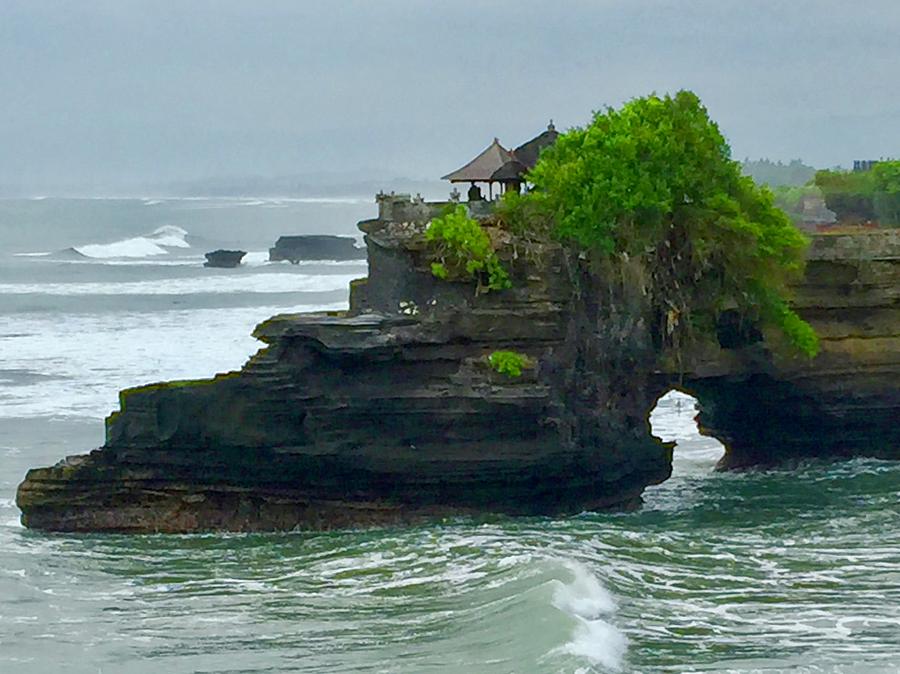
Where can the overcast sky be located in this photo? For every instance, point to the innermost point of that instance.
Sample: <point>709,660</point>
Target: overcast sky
<point>121,91</point>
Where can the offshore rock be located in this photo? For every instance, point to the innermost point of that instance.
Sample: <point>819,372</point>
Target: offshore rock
<point>391,413</point>
<point>315,247</point>
<point>226,259</point>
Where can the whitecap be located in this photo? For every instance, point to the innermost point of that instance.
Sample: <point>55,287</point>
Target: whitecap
<point>585,596</point>
<point>156,243</point>
<point>280,282</point>
<point>594,638</point>
<point>600,643</point>
<point>256,258</point>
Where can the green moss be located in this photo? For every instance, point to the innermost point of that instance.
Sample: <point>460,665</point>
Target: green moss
<point>509,363</point>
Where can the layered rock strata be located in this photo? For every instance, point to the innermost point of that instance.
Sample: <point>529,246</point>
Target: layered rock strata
<point>846,401</point>
<point>386,413</point>
<point>391,413</point>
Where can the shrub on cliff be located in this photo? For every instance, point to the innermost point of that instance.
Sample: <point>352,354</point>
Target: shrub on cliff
<point>464,251</point>
<point>653,183</point>
<point>510,363</point>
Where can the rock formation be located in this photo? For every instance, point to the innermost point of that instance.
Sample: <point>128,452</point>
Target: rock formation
<point>315,247</point>
<point>845,402</point>
<point>391,413</point>
<point>226,259</point>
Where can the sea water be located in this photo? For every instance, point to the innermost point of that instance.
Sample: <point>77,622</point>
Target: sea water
<point>794,570</point>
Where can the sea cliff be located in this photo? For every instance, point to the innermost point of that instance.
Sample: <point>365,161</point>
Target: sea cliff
<point>390,412</point>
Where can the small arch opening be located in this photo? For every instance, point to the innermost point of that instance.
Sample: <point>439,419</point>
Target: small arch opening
<point>673,419</point>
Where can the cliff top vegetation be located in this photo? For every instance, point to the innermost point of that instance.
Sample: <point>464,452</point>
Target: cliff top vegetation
<point>653,184</point>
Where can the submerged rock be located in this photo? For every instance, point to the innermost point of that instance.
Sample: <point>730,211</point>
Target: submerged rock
<point>391,412</point>
<point>315,247</point>
<point>224,258</point>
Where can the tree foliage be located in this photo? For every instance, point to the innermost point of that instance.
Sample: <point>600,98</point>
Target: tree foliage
<point>864,196</point>
<point>777,174</point>
<point>654,182</point>
<point>464,251</point>
<point>792,200</point>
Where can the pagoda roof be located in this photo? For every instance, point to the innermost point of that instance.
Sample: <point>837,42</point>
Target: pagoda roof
<point>484,166</point>
<point>512,170</point>
<point>528,153</point>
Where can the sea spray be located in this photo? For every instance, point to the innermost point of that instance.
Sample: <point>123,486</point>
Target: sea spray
<point>588,602</point>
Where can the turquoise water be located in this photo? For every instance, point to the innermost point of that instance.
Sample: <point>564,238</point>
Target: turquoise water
<point>789,570</point>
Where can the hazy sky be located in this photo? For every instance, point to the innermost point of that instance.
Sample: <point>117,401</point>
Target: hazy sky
<point>124,92</point>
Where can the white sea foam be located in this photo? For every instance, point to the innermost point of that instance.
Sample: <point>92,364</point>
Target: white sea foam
<point>278,282</point>
<point>88,357</point>
<point>256,258</point>
<point>588,602</point>
<point>167,236</point>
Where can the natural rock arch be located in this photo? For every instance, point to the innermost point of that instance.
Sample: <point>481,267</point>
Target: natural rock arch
<point>390,412</point>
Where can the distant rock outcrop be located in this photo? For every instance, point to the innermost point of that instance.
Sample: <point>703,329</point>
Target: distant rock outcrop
<point>315,247</point>
<point>224,258</point>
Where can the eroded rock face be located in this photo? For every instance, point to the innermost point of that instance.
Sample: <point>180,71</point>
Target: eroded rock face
<point>391,413</point>
<point>845,402</point>
<point>386,413</point>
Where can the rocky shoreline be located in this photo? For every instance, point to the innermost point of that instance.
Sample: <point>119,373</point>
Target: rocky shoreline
<point>390,412</point>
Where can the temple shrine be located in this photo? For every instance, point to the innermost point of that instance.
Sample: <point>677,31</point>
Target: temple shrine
<point>506,168</point>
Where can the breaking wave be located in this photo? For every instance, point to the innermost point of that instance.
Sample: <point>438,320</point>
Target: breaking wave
<point>158,243</point>
<point>589,603</point>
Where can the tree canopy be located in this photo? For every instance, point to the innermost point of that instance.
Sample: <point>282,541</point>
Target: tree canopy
<point>864,196</point>
<point>654,181</point>
<point>777,174</point>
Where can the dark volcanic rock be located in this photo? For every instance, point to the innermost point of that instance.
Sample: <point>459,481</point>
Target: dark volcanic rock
<point>315,247</point>
<point>224,258</point>
<point>391,413</point>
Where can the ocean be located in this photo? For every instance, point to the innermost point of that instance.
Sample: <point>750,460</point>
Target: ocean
<point>788,570</point>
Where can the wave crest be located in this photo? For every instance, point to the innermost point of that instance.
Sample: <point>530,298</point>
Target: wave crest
<point>586,600</point>
<point>156,243</point>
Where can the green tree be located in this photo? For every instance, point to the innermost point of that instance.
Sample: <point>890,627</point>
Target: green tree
<point>850,194</point>
<point>777,174</point>
<point>654,182</point>
<point>886,198</point>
